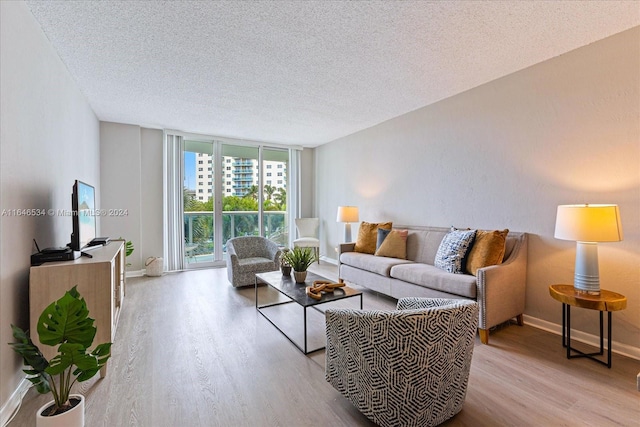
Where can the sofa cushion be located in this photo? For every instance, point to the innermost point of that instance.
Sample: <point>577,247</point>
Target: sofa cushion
<point>372,263</point>
<point>488,249</point>
<point>394,245</point>
<point>453,249</point>
<point>433,277</point>
<point>422,245</point>
<point>368,235</point>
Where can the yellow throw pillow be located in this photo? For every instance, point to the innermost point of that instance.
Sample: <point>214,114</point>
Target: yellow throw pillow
<point>488,249</point>
<point>368,235</point>
<point>394,245</point>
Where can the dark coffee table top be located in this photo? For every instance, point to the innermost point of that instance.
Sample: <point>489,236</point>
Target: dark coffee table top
<point>297,292</point>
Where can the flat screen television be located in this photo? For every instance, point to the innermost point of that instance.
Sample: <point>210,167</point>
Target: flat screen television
<point>83,205</point>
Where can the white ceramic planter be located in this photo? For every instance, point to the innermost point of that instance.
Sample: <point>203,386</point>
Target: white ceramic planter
<point>300,276</point>
<point>71,418</point>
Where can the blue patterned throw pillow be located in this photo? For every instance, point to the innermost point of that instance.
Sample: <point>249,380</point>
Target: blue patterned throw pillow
<point>382,234</point>
<point>453,249</point>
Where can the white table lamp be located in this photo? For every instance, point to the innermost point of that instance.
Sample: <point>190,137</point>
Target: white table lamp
<point>587,225</point>
<point>347,214</point>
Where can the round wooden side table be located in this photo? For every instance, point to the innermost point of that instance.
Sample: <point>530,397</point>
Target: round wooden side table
<point>607,301</point>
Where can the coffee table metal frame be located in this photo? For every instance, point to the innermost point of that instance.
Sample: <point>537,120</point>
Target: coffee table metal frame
<point>296,293</point>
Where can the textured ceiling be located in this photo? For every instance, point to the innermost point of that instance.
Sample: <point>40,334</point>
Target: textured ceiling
<point>304,72</point>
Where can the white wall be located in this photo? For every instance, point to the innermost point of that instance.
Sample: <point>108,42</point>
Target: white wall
<point>48,138</point>
<point>151,244</point>
<point>131,179</point>
<point>120,162</point>
<point>504,155</point>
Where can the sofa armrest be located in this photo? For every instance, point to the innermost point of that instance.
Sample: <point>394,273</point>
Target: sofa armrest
<point>342,248</point>
<point>346,247</point>
<point>501,288</point>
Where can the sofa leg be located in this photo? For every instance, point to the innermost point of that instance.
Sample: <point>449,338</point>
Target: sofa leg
<point>484,336</point>
<point>340,281</point>
<point>520,319</point>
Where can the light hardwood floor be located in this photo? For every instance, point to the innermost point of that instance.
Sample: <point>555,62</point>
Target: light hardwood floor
<point>190,350</point>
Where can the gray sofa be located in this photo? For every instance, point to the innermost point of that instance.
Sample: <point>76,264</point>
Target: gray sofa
<point>498,289</point>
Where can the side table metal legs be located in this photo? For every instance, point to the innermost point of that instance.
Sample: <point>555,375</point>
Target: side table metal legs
<point>566,337</point>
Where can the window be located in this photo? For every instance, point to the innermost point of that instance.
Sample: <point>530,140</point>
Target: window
<point>239,171</point>
<point>280,181</point>
<point>269,182</point>
<point>279,165</point>
<point>268,173</point>
<point>279,173</point>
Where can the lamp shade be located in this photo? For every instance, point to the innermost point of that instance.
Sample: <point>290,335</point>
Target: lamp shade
<point>347,214</point>
<point>588,223</point>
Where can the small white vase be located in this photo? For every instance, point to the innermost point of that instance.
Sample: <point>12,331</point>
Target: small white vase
<point>72,418</point>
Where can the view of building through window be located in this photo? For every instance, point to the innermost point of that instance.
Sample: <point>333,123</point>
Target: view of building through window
<point>241,177</point>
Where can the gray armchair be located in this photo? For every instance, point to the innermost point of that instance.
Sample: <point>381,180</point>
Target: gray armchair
<point>249,255</point>
<point>408,367</point>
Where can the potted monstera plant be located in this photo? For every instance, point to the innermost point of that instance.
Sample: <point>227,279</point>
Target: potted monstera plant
<point>66,324</point>
<point>300,259</point>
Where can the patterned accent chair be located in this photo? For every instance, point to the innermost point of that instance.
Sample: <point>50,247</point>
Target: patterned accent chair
<point>408,367</point>
<point>249,255</point>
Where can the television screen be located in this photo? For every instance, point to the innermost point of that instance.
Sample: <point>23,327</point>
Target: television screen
<point>84,221</point>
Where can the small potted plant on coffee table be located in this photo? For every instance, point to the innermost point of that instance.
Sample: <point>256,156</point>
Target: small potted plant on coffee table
<point>64,323</point>
<point>285,267</point>
<point>300,259</point>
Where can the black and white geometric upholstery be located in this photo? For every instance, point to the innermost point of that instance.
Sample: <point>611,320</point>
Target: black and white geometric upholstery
<point>408,367</point>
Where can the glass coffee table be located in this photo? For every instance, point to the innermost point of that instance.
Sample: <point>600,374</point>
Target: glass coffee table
<point>296,293</point>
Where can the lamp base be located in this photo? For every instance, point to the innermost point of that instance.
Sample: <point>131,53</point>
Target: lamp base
<point>587,276</point>
<point>347,232</point>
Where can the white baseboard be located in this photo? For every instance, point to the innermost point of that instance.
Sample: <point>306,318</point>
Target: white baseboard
<point>13,404</point>
<point>136,273</point>
<point>329,260</point>
<point>583,337</point>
